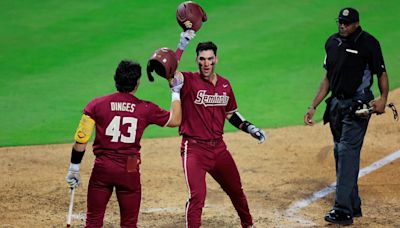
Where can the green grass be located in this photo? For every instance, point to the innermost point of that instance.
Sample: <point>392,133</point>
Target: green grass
<point>56,56</point>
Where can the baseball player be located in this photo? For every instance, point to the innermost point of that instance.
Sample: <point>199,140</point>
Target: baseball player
<point>120,119</point>
<point>207,100</point>
<point>353,56</point>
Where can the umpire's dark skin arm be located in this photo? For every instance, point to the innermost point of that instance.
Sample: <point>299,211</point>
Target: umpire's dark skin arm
<point>322,92</point>
<point>378,105</point>
<point>383,84</point>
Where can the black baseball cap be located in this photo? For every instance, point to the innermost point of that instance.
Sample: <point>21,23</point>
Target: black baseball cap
<point>348,14</point>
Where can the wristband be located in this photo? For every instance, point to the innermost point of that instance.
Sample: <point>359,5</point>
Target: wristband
<point>74,167</point>
<point>176,96</point>
<point>238,121</point>
<point>312,107</point>
<point>76,156</point>
<point>245,126</point>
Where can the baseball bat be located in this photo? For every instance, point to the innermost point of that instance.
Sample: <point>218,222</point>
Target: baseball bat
<point>71,206</point>
<point>365,112</point>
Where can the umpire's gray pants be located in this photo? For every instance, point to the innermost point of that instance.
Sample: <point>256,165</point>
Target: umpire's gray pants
<point>348,134</point>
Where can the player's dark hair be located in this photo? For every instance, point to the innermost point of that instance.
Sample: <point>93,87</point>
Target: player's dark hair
<point>204,46</point>
<point>127,75</point>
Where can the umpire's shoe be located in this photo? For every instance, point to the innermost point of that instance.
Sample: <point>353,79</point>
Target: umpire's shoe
<point>357,212</point>
<point>339,217</point>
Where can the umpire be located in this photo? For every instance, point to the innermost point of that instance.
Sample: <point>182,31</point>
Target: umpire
<point>352,57</point>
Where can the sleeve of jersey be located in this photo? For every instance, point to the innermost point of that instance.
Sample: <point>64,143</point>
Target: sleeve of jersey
<point>378,65</point>
<point>232,106</point>
<point>89,110</point>
<point>86,124</point>
<point>158,116</point>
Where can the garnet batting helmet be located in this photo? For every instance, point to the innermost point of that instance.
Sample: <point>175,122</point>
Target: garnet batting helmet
<point>190,11</point>
<point>164,62</point>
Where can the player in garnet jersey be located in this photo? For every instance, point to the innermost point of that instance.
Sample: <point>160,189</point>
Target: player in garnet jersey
<point>120,119</point>
<point>207,100</point>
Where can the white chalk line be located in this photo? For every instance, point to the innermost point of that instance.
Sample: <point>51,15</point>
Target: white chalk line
<point>292,211</point>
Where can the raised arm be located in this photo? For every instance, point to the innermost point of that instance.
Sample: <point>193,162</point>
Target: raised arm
<point>176,84</point>
<point>185,39</point>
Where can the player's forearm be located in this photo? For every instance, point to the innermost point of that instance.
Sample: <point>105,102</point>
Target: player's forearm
<point>78,150</point>
<point>176,114</point>
<point>185,38</point>
<point>176,84</point>
<point>73,177</point>
<point>178,54</point>
<point>238,121</point>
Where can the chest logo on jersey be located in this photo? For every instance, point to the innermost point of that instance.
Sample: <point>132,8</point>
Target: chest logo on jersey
<point>211,100</point>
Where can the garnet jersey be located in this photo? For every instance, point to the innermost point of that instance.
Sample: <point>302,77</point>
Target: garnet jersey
<point>120,121</point>
<point>205,106</point>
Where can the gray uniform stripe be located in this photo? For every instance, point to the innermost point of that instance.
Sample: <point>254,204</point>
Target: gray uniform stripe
<point>366,80</point>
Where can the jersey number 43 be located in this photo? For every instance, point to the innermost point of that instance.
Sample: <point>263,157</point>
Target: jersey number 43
<point>113,129</point>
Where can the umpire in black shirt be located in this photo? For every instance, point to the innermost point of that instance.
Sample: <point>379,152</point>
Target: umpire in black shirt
<point>353,56</point>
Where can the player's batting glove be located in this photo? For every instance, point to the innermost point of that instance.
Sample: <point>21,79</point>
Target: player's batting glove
<point>186,36</point>
<point>73,177</point>
<point>257,133</point>
<point>176,83</point>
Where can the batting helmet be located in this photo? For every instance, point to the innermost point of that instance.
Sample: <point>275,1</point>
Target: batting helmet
<point>164,62</point>
<point>190,11</point>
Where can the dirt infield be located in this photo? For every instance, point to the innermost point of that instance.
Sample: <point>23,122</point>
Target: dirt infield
<point>294,163</point>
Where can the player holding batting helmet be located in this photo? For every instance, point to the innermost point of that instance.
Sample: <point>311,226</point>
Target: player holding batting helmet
<point>164,62</point>
<point>207,101</point>
<point>190,16</point>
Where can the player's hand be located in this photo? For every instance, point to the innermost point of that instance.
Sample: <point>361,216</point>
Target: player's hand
<point>257,133</point>
<point>308,116</point>
<point>188,24</point>
<point>73,177</point>
<point>186,37</point>
<point>176,83</point>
